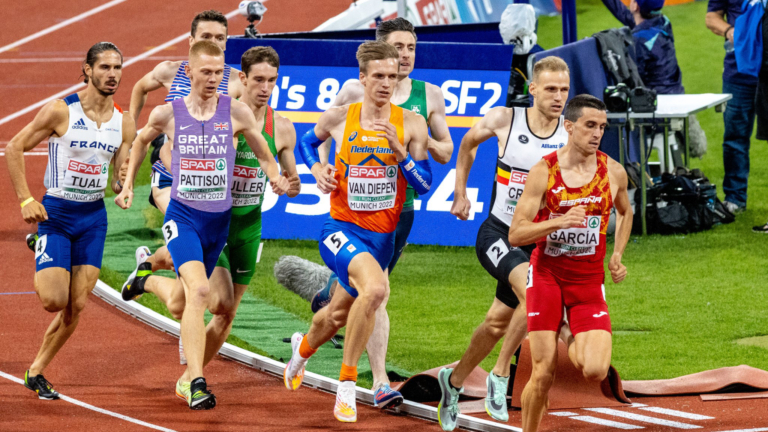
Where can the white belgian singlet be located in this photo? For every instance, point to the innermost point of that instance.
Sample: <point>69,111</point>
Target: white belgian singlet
<point>522,151</point>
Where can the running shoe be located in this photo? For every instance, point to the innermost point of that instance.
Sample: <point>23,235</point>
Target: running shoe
<point>496,401</point>
<point>734,207</point>
<point>760,229</point>
<point>294,370</point>
<point>182,390</point>
<point>41,386</point>
<point>31,240</point>
<point>345,409</point>
<point>182,356</point>
<point>142,254</point>
<point>323,297</point>
<point>448,407</point>
<point>200,397</point>
<point>385,397</point>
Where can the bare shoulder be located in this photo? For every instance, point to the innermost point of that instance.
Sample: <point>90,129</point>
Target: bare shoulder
<point>240,110</point>
<point>615,170</point>
<point>410,118</point>
<point>162,114</point>
<point>286,133</point>
<point>353,88</point>
<point>499,117</point>
<point>334,116</point>
<point>283,124</point>
<point>434,93</point>
<point>128,123</point>
<point>165,71</point>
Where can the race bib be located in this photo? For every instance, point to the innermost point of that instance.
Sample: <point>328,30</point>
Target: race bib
<point>514,190</point>
<point>248,184</point>
<point>85,182</point>
<point>202,179</point>
<point>577,241</point>
<point>372,188</point>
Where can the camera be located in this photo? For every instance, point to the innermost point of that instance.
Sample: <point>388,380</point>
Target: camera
<point>252,11</point>
<point>616,98</point>
<point>642,100</point>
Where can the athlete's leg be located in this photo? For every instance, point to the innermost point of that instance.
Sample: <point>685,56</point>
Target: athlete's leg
<point>169,291</point>
<point>57,280</point>
<point>593,353</point>
<point>197,292</point>
<point>518,325</point>
<point>498,321</point>
<point>377,344</point>
<point>161,259</point>
<point>371,282</point>
<point>535,399</point>
<point>225,298</point>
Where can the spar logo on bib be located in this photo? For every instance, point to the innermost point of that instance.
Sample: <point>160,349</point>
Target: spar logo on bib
<point>202,179</point>
<point>85,168</point>
<point>371,188</point>
<point>577,241</point>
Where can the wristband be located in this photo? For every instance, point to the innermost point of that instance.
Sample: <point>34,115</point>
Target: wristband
<point>27,201</point>
<point>308,148</point>
<point>725,33</point>
<point>119,184</point>
<point>418,174</point>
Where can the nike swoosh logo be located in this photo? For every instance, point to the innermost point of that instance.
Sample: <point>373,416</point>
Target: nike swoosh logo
<point>494,405</point>
<point>242,271</point>
<point>185,127</point>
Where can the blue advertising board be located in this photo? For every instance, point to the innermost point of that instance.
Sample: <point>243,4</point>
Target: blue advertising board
<point>304,91</point>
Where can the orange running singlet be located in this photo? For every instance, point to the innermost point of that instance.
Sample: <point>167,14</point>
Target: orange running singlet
<point>585,243</point>
<point>371,188</point>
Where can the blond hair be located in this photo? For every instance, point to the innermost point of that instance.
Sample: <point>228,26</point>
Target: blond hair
<point>205,48</point>
<point>374,50</point>
<point>549,64</point>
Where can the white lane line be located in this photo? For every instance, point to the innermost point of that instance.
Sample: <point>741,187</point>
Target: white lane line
<point>674,413</point>
<point>93,408</point>
<point>62,24</point>
<point>607,423</point>
<point>563,413</point>
<point>642,418</point>
<point>79,59</point>
<point>76,87</point>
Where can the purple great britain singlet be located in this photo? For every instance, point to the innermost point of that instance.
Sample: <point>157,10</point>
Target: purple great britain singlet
<point>203,158</point>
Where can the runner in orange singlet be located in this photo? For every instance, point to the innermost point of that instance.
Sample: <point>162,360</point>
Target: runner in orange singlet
<point>565,208</point>
<point>380,148</point>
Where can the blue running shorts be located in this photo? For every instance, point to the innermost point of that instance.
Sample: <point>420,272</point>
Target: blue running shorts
<point>194,235</point>
<point>341,241</point>
<point>73,235</point>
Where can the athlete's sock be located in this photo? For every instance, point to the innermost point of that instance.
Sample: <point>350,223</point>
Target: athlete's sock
<point>348,373</point>
<point>306,351</point>
<point>138,283</point>
<point>450,384</point>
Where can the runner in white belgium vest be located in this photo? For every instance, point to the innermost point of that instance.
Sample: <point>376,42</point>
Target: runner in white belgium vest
<point>85,131</point>
<point>524,136</point>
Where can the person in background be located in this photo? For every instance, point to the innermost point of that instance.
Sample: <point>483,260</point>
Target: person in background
<point>654,43</point>
<point>739,117</point>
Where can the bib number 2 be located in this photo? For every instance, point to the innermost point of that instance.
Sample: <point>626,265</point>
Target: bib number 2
<point>170,231</point>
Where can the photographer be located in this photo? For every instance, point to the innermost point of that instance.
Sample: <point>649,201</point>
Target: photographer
<point>739,117</point>
<point>654,43</point>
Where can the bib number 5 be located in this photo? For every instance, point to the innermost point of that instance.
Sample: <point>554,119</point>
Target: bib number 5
<point>170,231</point>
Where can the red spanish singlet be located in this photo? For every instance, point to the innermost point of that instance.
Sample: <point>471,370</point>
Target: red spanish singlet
<point>567,266</point>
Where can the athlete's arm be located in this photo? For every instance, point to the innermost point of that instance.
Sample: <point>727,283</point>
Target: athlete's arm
<point>440,143</point>
<point>161,74</point>
<point>314,138</point>
<point>493,121</point>
<point>129,134</point>
<point>246,125</point>
<point>415,162</point>
<point>624,216</point>
<point>160,121</point>
<point>52,119</point>
<point>235,88</point>
<point>524,230</point>
<point>352,91</point>
<point>285,141</point>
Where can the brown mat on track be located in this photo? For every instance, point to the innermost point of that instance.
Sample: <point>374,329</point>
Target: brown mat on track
<point>423,387</point>
<point>736,379</point>
<point>733,396</point>
<point>570,390</point>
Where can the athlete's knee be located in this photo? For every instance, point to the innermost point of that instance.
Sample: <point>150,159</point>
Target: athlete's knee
<point>542,377</point>
<point>199,294</point>
<point>224,309</point>
<point>593,371</point>
<point>54,302</point>
<point>494,325</point>
<point>374,293</point>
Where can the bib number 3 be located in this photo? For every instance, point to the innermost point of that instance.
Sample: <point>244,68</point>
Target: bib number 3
<point>170,231</point>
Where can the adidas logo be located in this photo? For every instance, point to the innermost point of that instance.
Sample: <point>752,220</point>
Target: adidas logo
<point>44,259</point>
<point>80,124</point>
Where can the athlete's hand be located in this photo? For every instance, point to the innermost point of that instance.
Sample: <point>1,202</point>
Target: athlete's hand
<point>618,270</point>
<point>295,187</point>
<point>388,131</point>
<point>34,212</point>
<point>280,186</point>
<point>461,207</point>
<point>124,199</point>
<point>325,177</point>
<point>573,217</point>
